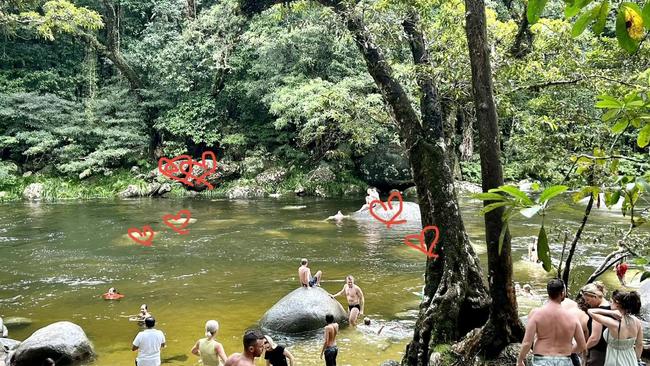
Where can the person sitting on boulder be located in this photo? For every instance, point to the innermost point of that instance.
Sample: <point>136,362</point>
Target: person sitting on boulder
<point>304,274</point>
<point>4,332</point>
<point>372,196</point>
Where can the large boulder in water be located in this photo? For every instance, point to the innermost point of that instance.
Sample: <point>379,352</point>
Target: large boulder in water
<point>64,342</point>
<point>410,212</point>
<point>302,310</point>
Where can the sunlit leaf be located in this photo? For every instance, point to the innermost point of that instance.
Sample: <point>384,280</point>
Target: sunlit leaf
<point>535,9</point>
<point>551,192</point>
<point>531,211</point>
<point>601,18</point>
<point>644,136</point>
<point>543,250</point>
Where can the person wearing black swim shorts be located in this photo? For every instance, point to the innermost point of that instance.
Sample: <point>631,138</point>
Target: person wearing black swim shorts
<point>356,301</point>
<point>304,274</point>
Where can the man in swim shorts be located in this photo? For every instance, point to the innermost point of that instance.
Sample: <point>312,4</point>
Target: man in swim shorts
<point>555,328</point>
<point>356,301</point>
<point>304,274</point>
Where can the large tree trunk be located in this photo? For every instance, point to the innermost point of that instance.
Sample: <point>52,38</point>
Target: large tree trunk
<point>455,298</point>
<point>504,326</point>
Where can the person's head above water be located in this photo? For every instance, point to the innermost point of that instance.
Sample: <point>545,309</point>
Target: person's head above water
<point>144,308</point>
<point>350,280</point>
<point>150,322</point>
<point>366,321</point>
<point>555,289</point>
<point>211,328</point>
<point>527,288</point>
<point>112,290</point>
<point>304,261</point>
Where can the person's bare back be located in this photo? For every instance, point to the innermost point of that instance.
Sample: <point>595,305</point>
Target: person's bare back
<point>304,273</point>
<point>238,360</point>
<point>331,330</point>
<point>556,328</point>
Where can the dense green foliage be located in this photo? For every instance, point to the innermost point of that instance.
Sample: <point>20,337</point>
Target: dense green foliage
<point>90,87</point>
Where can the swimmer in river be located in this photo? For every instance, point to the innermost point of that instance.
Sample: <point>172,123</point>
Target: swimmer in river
<point>144,314</point>
<point>338,217</point>
<point>532,252</point>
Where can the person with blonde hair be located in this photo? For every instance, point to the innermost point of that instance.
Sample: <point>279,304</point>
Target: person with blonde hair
<point>208,348</point>
<point>275,354</point>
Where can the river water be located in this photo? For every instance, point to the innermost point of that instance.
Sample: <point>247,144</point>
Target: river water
<point>238,259</point>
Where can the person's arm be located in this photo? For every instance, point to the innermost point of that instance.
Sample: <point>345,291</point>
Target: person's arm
<point>162,343</point>
<point>327,337</point>
<point>596,333</point>
<point>531,329</point>
<point>579,336</point>
<point>136,343</point>
<point>639,340</point>
<point>363,300</point>
<point>288,355</point>
<point>604,317</point>
<point>221,352</point>
<point>338,293</point>
<point>195,349</point>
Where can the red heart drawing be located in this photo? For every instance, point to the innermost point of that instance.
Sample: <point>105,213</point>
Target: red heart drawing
<point>145,229</point>
<point>422,246</point>
<point>206,169</point>
<point>391,221</point>
<point>178,229</point>
<point>168,168</point>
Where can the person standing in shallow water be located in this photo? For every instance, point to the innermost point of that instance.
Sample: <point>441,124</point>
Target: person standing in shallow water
<point>623,333</point>
<point>148,344</point>
<point>555,329</point>
<point>329,345</point>
<point>275,354</point>
<point>208,348</point>
<point>356,301</point>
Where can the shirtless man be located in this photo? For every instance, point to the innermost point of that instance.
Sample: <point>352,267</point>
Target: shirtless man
<point>304,274</point>
<point>253,347</point>
<point>329,346</point>
<point>356,301</point>
<point>555,328</point>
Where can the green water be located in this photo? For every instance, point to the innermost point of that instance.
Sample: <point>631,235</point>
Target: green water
<point>238,259</point>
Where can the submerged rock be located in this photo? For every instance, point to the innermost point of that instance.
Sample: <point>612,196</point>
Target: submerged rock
<point>243,192</point>
<point>302,310</point>
<point>63,341</point>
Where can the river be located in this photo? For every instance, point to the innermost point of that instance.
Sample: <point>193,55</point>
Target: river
<point>238,259</point>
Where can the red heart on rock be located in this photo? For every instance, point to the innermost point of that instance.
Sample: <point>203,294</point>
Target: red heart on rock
<point>391,221</point>
<point>422,246</point>
<point>169,168</point>
<point>178,229</point>
<point>207,170</point>
<point>145,229</point>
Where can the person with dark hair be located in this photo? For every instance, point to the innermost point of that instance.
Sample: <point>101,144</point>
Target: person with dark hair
<point>148,344</point>
<point>253,347</point>
<point>329,345</point>
<point>304,274</point>
<point>555,328</point>
<point>593,295</point>
<point>624,333</point>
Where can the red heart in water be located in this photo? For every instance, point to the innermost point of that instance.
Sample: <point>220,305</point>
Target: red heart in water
<point>391,221</point>
<point>169,168</point>
<point>178,229</point>
<point>145,229</point>
<point>422,246</point>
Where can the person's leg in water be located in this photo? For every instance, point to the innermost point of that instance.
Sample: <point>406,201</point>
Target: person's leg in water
<point>354,313</point>
<point>330,356</point>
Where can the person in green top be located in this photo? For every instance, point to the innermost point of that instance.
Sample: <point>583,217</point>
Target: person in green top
<point>208,348</point>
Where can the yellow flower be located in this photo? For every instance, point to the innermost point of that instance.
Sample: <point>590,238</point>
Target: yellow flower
<point>634,24</point>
